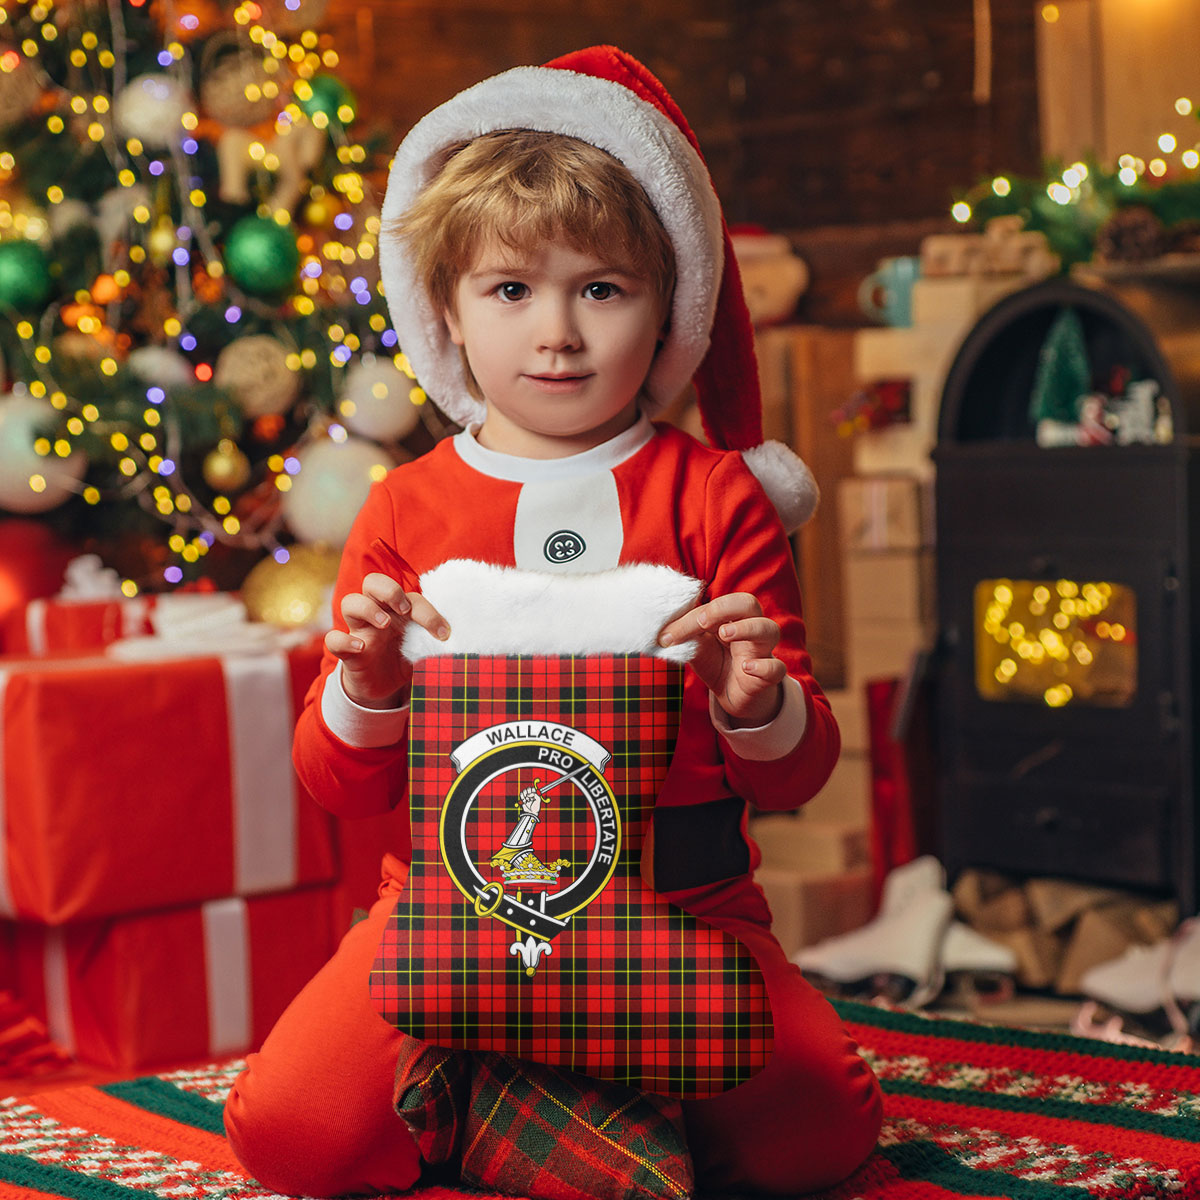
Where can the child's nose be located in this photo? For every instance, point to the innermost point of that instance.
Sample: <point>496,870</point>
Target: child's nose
<point>557,328</point>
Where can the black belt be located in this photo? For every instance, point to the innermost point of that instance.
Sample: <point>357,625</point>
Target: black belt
<point>697,844</point>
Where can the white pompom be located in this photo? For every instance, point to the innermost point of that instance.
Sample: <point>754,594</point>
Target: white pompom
<point>786,479</point>
<point>31,482</point>
<point>330,487</point>
<point>375,400</point>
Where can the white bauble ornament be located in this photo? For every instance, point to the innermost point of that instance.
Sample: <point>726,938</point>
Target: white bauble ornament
<point>330,488</point>
<point>150,108</point>
<point>255,370</point>
<point>161,366</point>
<point>375,400</point>
<point>24,419</point>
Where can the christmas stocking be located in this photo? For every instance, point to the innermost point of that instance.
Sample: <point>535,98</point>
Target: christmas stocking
<point>525,926</point>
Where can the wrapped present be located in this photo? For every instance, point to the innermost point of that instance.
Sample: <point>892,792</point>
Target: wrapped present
<point>52,624</point>
<point>129,786</point>
<point>172,987</point>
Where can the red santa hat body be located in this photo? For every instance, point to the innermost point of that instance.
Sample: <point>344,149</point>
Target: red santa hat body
<point>605,97</point>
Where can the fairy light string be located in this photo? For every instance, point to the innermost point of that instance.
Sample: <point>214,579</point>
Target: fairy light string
<point>168,276</point>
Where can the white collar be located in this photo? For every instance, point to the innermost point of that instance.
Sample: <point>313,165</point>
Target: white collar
<point>514,469</point>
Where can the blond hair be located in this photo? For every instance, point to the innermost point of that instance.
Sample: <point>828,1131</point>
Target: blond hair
<point>520,188</point>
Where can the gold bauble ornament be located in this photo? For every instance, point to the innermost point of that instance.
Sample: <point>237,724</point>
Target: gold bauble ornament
<point>237,89</point>
<point>295,593</point>
<point>255,370</point>
<point>225,467</point>
<point>161,242</point>
<point>318,213</point>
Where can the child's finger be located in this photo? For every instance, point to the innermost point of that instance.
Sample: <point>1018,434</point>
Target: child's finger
<point>767,671</point>
<point>424,614</point>
<point>705,618</point>
<point>761,632</point>
<point>387,593</point>
<point>362,612</point>
<point>343,645</point>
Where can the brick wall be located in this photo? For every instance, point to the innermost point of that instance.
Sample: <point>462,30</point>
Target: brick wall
<point>810,113</point>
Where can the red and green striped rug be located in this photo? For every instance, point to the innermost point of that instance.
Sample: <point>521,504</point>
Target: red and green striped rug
<point>972,1110</point>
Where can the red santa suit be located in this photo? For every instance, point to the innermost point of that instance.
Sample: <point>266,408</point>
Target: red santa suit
<point>313,1111</point>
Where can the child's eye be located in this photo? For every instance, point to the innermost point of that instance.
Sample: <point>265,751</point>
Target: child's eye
<point>601,291</point>
<point>512,291</point>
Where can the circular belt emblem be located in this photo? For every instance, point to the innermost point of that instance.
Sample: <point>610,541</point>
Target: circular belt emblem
<point>563,546</point>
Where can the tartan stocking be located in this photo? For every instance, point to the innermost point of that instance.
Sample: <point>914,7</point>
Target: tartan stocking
<point>525,926</point>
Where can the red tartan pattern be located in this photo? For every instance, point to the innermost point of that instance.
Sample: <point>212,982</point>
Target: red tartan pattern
<point>625,986</point>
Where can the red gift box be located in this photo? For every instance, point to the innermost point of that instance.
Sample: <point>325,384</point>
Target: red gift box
<point>131,786</point>
<point>172,987</point>
<point>52,625</point>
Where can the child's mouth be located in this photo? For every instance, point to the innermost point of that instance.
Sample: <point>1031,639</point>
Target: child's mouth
<point>558,383</point>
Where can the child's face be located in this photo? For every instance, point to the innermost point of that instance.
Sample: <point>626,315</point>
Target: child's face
<point>559,342</point>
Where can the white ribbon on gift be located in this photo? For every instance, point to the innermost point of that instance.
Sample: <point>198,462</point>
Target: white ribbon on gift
<point>226,972</point>
<point>258,696</point>
<point>258,699</point>
<point>132,615</point>
<point>227,975</point>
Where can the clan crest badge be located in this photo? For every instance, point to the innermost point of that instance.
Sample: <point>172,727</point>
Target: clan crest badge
<point>535,896</point>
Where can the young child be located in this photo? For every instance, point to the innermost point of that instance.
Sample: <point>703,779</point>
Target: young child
<point>557,267</point>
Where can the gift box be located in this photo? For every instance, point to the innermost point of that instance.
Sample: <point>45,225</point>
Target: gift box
<point>885,512</point>
<point>74,625</point>
<point>130,786</point>
<point>183,985</point>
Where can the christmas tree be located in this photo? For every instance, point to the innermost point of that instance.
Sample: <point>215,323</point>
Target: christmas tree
<point>197,359</point>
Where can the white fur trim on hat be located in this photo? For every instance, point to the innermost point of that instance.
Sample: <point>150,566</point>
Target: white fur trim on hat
<point>505,610</point>
<point>786,479</point>
<point>604,114</point>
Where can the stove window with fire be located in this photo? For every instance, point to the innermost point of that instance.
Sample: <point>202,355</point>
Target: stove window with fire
<point>1056,642</point>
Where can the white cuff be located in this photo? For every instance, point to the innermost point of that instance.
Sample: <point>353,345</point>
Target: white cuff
<point>356,725</point>
<point>765,743</point>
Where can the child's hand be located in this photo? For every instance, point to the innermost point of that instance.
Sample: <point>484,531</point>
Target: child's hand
<point>374,673</point>
<point>734,655</point>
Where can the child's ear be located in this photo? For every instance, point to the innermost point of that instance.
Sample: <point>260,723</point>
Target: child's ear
<point>452,327</point>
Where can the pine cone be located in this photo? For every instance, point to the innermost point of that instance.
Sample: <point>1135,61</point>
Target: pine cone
<point>1132,234</point>
<point>1184,238</point>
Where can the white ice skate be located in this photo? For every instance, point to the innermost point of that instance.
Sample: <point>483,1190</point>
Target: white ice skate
<point>1155,987</point>
<point>898,953</point>
<point>983,968</point>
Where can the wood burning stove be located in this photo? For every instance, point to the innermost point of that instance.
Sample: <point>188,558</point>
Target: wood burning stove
<point>1067,664</point>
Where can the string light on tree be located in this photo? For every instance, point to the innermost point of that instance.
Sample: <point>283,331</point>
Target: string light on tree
<point>151,291</point>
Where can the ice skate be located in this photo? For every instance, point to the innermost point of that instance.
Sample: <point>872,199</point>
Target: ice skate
<point>1154,989</point>
<point>898,953</point>
<point>978,965</point>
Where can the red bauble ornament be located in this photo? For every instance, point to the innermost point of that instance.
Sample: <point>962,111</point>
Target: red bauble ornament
<point>32,560</point>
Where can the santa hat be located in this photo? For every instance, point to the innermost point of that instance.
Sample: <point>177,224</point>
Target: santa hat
<point>607,98</point>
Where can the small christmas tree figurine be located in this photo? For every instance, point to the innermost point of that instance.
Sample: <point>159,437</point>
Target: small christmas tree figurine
<point>189,290</point>
<point>1064,375</point>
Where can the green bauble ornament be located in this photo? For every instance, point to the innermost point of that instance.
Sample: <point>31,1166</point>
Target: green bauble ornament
<point>328,95</point>
<point>262,255</point>
<point>24,275</point>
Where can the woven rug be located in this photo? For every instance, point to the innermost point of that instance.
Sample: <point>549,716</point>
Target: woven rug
<point>972,1110</point>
